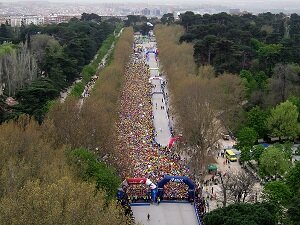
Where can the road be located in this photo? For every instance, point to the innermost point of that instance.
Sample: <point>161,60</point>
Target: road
<point>161,119</point>
<point>165,214</point>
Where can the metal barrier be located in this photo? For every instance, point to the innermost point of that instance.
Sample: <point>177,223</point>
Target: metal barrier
<point>197,214</point>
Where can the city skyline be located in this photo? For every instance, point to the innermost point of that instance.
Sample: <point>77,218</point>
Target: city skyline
<point>136,7</point>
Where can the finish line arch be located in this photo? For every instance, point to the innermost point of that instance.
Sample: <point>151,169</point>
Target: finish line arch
<point>177,179</point>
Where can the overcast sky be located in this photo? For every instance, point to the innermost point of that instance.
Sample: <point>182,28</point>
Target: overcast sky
<point>264,4</point>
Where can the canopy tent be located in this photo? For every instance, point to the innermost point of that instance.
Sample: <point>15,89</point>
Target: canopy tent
<point>212,167</point>
<point>172,141</point>
<point>149,24</point>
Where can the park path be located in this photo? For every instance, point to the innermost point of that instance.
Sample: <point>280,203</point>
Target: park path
<point>161,120</point>
<point>164,213</point>
<point>89,86</point>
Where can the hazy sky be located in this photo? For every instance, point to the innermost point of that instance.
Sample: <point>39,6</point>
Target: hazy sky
<point>264,4</point>
<point>245,2</point>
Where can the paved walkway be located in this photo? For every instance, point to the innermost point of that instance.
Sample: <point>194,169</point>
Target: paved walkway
<point>165,214</point>
<point>161,120</point>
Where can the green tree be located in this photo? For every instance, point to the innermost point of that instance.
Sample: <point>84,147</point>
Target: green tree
<point>293,211</point>
<point>246,139</point>
<point>269,55</point>
<point>167,18</point>
<point>249,81</point>
<point>257,119</point>
<point>296,101</point>
<point>242,214</point>
<point>256,152</point>
<point>89,168</point>
<point>283,121</point>
<point>90,17</point>
<point>187,19</point>
<point>6,34</point>
<point>277,192</point>
<point>34,97</point>
<point>273,162</point>
<point>293,177</point>
<point>286,148</point>
<point>204,50</point>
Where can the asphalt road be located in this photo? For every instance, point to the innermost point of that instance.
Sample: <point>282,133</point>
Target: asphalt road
<point>161,120</point>
<point>165,214</point>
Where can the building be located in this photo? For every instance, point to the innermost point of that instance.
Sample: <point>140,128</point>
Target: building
<point>146,12</point>
<point>3,20</point>
<point>55,18</point>
<point>17,21</point>
<point>156,12</point>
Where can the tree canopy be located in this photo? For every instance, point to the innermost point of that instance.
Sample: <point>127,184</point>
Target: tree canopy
<point>283,121</point>
<point>273,162</point>
<point>242,214</point>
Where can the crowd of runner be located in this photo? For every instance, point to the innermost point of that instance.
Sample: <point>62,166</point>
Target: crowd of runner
<point>136,135</point>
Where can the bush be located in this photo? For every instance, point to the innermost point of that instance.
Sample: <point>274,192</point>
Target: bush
<point>87,72</point>
<point>77,90</point>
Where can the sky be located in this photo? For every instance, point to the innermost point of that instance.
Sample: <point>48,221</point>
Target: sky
<point>246,4</point>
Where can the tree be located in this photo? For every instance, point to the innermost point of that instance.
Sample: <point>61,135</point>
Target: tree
<point>90,17</point>
<point>242,214</point>
<point>186,19</point>
<point>247,137</point>
<point>230,99</point>
<point>227,55</point>
<point>89,168</point>
<point>296,101</point>
<point>39,45</point>
<point>201,130</point>
<point>256,152</point>
<point>204,50</point>
<point>17,69</point>
<point>294,210</point>
<point>277,192</point>
<point>286,148</point>
<point>54,58</point>
<point>236,187</point>
<point>257,119</point>
<point>293,177</point>
<point>269,55</point>
<point>33,98</point>
<point>6,34</point>
<point>167,18</point>
<point>283,121</point>
<point>249,81</point>
<point>63,202</point>
<point>273,162</point>
<point>284,83</point>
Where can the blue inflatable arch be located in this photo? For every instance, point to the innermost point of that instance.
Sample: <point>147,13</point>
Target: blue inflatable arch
<point>177,179</point>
